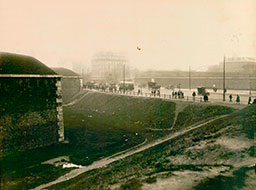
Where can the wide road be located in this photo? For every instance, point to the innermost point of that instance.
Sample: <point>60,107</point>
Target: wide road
<point>216,97</point>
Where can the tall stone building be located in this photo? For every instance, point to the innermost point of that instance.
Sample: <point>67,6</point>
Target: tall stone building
<point>30,104</point>
<point>109,67</point>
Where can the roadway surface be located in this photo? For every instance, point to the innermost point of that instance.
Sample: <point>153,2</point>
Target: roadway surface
<point>213,97</point>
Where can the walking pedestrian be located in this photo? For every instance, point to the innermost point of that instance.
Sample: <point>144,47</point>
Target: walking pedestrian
<point>194,95</point>
<point>175,95</point>
<point>250,100</point>
<point>138,92</point>
<point>238,99</point>
<point>230,98</point>
<point>205,98</point>
<point>158,92</point>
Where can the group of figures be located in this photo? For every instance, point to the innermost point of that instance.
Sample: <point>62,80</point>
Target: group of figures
<point>205,96</point>
<point>155,92</point>
<point>179,94</point>
<point>175,94</point>
<point>238,99</point>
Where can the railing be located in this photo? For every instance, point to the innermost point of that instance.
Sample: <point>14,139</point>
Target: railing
<point>169,97</point>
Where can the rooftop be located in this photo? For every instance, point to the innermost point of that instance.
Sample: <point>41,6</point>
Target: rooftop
<point>64,72</point>
<point>11,63</point>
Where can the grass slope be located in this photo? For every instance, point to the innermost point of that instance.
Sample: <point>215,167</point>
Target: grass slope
<point>158,162</point>
<point>97,126</point>
<point>198,112</point>
<point>101,124</point>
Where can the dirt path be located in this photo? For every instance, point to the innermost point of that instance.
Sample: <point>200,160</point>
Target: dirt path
<point>76,100</point>
<point>108,160</point>
<point>179,107</point>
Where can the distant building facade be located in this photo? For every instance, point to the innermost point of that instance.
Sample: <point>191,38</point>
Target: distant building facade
<point>30,104</point>
<point>234,80</point>
<point>109,67</point>
<point>240,74</point>
<point>71,83</point>
<point>236,64</point>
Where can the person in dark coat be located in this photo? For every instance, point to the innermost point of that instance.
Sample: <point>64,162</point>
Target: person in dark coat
<point>230,98</point>
<point>138,92</point>
<point>238,99</point>
<point>179,94</point>
<point>205,98</point>
<point>182,95</point>
<point>250,100</point>
<point>194,95</point>
<point>158,92</point>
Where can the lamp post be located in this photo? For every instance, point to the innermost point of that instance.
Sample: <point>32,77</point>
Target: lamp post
<point>250,83</point>
<point>124,77</point>
<point>189,84</point>
<point>224,88</point>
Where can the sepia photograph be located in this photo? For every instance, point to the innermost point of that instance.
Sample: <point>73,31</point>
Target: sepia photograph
<point>127,94</point>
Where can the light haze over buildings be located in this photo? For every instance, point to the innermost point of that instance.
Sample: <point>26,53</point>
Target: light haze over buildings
<point>109,67</point>
<point>236,64</point>
<point>171,34</point>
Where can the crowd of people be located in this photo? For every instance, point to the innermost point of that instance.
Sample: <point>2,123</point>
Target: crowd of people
<point>205,97</point>
<point>175,94</point>
<point>178,94</point>
<point>155,92</point>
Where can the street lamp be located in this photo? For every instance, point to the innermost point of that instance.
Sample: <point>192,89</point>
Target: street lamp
<point>250,92</point>
<point>124,77</point>
<point>224,88</point>
<point>189,78</point>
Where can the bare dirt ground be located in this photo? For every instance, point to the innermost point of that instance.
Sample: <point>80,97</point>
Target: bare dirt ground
<point>221,156</point>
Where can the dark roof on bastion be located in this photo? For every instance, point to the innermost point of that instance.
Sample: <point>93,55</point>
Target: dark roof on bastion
<point>11,63</point>
<point>64,72</point>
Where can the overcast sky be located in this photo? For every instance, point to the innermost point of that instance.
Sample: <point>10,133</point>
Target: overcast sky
<point>172,34</point>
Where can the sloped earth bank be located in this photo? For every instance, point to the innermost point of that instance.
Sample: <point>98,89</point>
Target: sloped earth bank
<point>104,162</point>
<point>96,126</point>
<point>219,155</point>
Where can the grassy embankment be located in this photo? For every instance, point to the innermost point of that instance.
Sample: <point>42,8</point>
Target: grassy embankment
<point>106,124</point>
<point>150,165</point>
<point>99,125</point>
<point>199,113</point>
